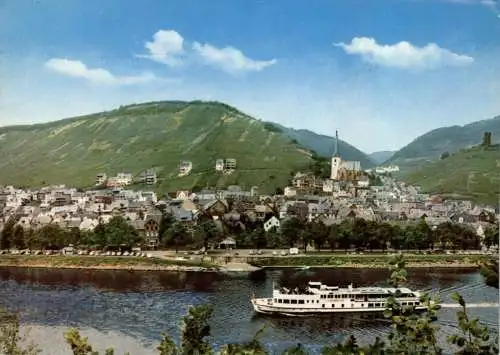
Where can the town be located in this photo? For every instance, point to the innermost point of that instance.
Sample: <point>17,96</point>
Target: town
<point>364,210</point>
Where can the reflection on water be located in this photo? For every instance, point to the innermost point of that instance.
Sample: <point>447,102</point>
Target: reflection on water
<point>143,304</point>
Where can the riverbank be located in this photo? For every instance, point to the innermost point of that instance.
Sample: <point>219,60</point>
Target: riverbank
<point>236,263</point>
<point>105,263</point>
<point>369,261</point>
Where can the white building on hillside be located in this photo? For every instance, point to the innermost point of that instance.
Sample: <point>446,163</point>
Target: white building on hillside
<point>185,167</point>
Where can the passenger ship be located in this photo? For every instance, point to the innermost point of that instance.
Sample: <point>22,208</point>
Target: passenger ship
<point>320,298</point>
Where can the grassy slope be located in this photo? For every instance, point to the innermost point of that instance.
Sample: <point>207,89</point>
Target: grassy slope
<point>429,146</point>
<point>159,135</point>
<point>470,173</point>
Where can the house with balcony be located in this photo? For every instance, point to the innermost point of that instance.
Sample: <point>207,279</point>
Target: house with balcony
<point>101,179</point>
<point>230,164</point>
<point>185,167</point>
<point>148,177</point>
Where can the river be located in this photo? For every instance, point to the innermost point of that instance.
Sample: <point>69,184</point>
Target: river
<point>130,310</point>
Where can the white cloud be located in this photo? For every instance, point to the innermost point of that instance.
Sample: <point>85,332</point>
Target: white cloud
<point>78,69</point>
<point>404,54</point>
<point>229,59</point>
<point>167,47</point>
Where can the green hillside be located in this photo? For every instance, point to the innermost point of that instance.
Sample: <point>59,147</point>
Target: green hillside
<point>324,145</point>
<point>152,135</point>
<point>430,146</point>
<point>472,173</point>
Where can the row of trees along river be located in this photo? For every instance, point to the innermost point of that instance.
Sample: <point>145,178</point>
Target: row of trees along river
<point>350,233</point>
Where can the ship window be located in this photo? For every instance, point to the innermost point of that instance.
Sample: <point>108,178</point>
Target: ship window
<point>286,301</point>
<point>362,304</point>
<point>342,305</point>
<point>301,301</point>
<point>280,301</point>
<point>370,304</point>
<point>377,304</point>
<point>410,303</point>
<point>404,303</point>
<point>417,303</point>
<point>323,305</point>
<point>293,301</point>
<point>317,301</point>
<point>323,296</point>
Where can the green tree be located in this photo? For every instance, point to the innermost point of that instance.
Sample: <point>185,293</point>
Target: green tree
<point>167,219</point>
<point>51,236</point>
<point>119,232</point>
<point>333,236</point>
<point>7,234</point>
<point>473,337</point>
<point>319,233</point>
<point>99,235</point>
<point>167,346</point>
<point>491,236</point>
<point>253,347</point>
<point>18,240</point>
<point>258,238</point>
<point>207,233</point>
<point>489,270</point>
<point>410,333</point>
<point>74,236</point>
<point>345,235</point>
<point>177,236</point>
<point>290,230</point>
<point>195,331</point>
<point>10,337</point>
<point>274,238</point>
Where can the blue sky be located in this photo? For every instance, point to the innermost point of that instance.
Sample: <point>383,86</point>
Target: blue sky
<point>380,71</point>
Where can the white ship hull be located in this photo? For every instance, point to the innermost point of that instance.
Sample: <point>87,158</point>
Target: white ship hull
<point>321,299</point>
<point>262,306</point>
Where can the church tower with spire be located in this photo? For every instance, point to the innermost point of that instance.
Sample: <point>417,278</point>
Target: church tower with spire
<point>336,159</point>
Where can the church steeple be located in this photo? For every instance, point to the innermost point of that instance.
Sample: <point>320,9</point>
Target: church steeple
<point>336,149</point>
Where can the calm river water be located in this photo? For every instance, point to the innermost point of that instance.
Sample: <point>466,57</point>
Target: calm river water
<point>131,309</point>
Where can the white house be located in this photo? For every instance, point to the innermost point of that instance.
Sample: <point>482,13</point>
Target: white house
<point>88,224</point>
<point>270,223</point>
<point>219,165</point>
<point>327,185</point>
<point>124,178</point>
<point>364,181</point>
<point>185,167</point>
<point>289,191</point>
<point>101,178</point>
<point>182,195</point>
<point>387,169</point>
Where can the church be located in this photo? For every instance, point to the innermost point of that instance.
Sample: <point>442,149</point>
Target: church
<point>343,170</point>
